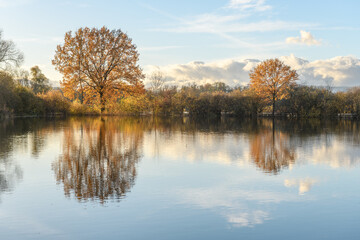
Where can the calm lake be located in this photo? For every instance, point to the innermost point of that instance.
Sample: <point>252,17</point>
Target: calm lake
<point>146,178</point>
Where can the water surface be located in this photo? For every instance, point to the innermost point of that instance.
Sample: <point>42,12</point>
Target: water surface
<point>151,178</point>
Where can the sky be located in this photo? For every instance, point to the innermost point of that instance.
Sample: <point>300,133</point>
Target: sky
<point>201,41</point>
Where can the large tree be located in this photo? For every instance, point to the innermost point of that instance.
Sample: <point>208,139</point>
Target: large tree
<point>272,80</point>
<point>98,65</point>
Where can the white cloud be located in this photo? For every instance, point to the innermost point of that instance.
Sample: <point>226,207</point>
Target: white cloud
<point>231,72</point>
<point>341,71</point>
<point>229,20</point>
<point>306,38</point>
<point>225,24</point>
<point>256,5</point>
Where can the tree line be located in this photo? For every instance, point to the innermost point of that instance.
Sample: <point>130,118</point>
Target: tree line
<point>101,75</point>
<point>219,99</point>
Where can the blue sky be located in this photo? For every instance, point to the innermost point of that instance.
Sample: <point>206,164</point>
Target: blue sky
<point>176,33</point>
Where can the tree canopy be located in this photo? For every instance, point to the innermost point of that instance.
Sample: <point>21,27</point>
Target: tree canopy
<point>98,65</point>
<point>39,82</point>
<point>272,80</point>
<point>9,54</point>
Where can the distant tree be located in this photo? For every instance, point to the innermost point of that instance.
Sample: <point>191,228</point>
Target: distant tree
<point>20,76</point>
<point>100,62</point>
<point>7,95</point>
<point>272,80</point>
<point>157,81</point>
<point>39,82</point>
<point>220,87</point>
<point>9,55</point>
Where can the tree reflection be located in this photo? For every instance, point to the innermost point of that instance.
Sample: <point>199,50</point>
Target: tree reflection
<point>271,150</point>
<point>10,172</point>
<point>99,159</point>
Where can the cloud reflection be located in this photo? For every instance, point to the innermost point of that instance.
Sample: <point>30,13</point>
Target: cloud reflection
<point>304,185</point>
<point>255,142</point>
<point>239,206</point>
<point>248,219</point>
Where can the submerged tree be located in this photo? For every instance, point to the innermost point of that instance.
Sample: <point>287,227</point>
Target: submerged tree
<point>100,64</point>
<point>272,80</point>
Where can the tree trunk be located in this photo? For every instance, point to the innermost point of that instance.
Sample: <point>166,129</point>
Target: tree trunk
<point>102,102</point>
<point>82,93</point>
<point>273,110</point>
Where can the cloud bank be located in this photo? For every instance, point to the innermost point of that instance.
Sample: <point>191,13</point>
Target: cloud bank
<point>306,38</point>
<point>342,71</point>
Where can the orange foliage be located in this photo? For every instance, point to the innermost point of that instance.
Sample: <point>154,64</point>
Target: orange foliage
<point>98,66</point>
<point>272,80</point>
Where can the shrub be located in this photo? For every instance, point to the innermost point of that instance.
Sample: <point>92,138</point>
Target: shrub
<point>55,102</point>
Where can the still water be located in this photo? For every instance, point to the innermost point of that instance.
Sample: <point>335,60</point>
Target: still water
<point>145,178</point>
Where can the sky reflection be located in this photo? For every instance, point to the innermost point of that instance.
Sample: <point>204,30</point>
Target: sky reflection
<point>205,178</point>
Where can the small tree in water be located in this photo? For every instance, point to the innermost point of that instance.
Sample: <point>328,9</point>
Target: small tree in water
<point>272,80</point>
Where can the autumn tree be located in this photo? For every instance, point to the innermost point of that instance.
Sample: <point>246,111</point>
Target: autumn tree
<point>272,80</point>
<point>100,64</point>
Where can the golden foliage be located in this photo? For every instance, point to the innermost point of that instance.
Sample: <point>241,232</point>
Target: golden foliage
<point>98,66</point>
<point>272,80</point>
<point>54,102</point>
